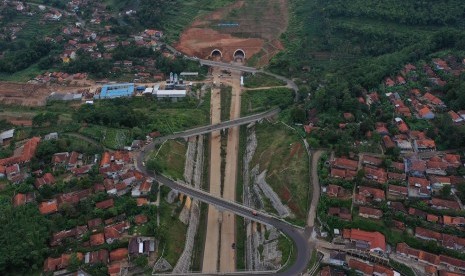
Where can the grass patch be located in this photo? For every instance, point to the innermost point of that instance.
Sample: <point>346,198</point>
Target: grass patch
<point>261,100</point>
<point>171,158</point>
<point>200,238</point>
<point>261,80</point>
<point>113,138</point>
<point>174,234</point>
<point>288,251</point>
<point>174,120</point>
<point>403,269</point>
<point>283,155</point>
<point>241,239</point>
<point>226,95</point>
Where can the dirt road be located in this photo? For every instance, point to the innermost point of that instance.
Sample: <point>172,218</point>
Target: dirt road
<point>228,233</point>
<point>210,256</point>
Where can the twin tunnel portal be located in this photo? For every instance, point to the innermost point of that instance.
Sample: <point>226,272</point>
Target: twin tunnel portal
<point>238,55</point>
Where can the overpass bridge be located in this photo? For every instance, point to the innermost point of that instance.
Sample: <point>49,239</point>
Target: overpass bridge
<point>220,126</point>
<point>299,237</point>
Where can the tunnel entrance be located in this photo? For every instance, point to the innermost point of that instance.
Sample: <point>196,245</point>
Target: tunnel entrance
<point>216,54</point>
<point>239,55</point>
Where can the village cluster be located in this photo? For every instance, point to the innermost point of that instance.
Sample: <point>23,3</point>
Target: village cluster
<point>408,189</point>
<point>120,178</point>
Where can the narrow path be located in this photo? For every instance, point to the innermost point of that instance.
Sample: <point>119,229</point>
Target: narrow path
<point>315,157</point>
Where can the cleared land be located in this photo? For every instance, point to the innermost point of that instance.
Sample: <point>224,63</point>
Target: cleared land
<point>255,27</point>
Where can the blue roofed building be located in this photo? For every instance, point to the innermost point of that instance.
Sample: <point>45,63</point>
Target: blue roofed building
<point>117,90</point>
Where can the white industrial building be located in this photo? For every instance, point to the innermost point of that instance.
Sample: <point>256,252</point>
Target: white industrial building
<point>170,93</point>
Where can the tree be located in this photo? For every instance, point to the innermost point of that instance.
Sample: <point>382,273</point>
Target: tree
<point>141,261</point>
<point>446,191</point>
<point>298,115</point>
<point>23,235</point>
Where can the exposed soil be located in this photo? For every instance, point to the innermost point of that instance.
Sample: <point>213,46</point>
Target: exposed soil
<point>25,94</point>
<point>257,26</point>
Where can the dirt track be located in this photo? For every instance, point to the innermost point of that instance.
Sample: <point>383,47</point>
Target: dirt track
<point>228,228</point>
<point>210,256</point>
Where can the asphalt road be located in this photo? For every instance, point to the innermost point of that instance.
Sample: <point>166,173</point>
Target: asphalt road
<point>298,236</point>
<point>222,125</point>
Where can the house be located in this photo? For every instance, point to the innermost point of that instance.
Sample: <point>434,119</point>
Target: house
<point>427,234</point>
<point>341,212</point>
<point>62,262</point>
<point>331,271</point>
<point>338,173</point>
<point>379,175</point>
<point>140,219</point>
<point>419,255</point>
<point>337,258</point>
<point>94,223</point>
<point>141,201</point>
<point>12,171</point>
<point>425,113</point>
<point>361,267</point>
<point>422,145</point>
<point>99,256</point>
<point>371,193</point>
<point>105,204</point>
<point>388,143</point>
<point>397,191</point>
<point>453,221</point>
<point>47,179</point>
<point>396,176</point>
<point>333,190</point>
<point>397,206</point>
<point>6,136</point>
<point>439,182</point>
<point>141,246</point>
<point>145,187</point>
<point>344,163</point>
<point>455,117</point>
<point>367,212</point>
<point>372,241</point>
<point>97,239</point>
<point>114,269</point>
<point>371,160</point>
<point>48,207</point>
<point>436,166</point>
<point>111,234</point>
<point>60,159</point>
<point>438,203</point>
<point>21,199</point>
<point>433,100</point>
<point>119,254</point>
<point>432,218</point>
<point>452,262</point>
<point>73,160</point>
<point>417,213</point>
<point>415,167</point>
<point>453,160</point>
<point>419,187</point>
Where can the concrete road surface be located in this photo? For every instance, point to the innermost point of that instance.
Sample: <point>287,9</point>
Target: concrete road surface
<point>210,256</point>
<point>228,227</point>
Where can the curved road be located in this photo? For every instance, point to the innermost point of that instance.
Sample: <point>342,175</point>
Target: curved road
<point>298,236</point>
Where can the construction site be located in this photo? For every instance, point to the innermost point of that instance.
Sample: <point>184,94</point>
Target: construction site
<point>254,27</point>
